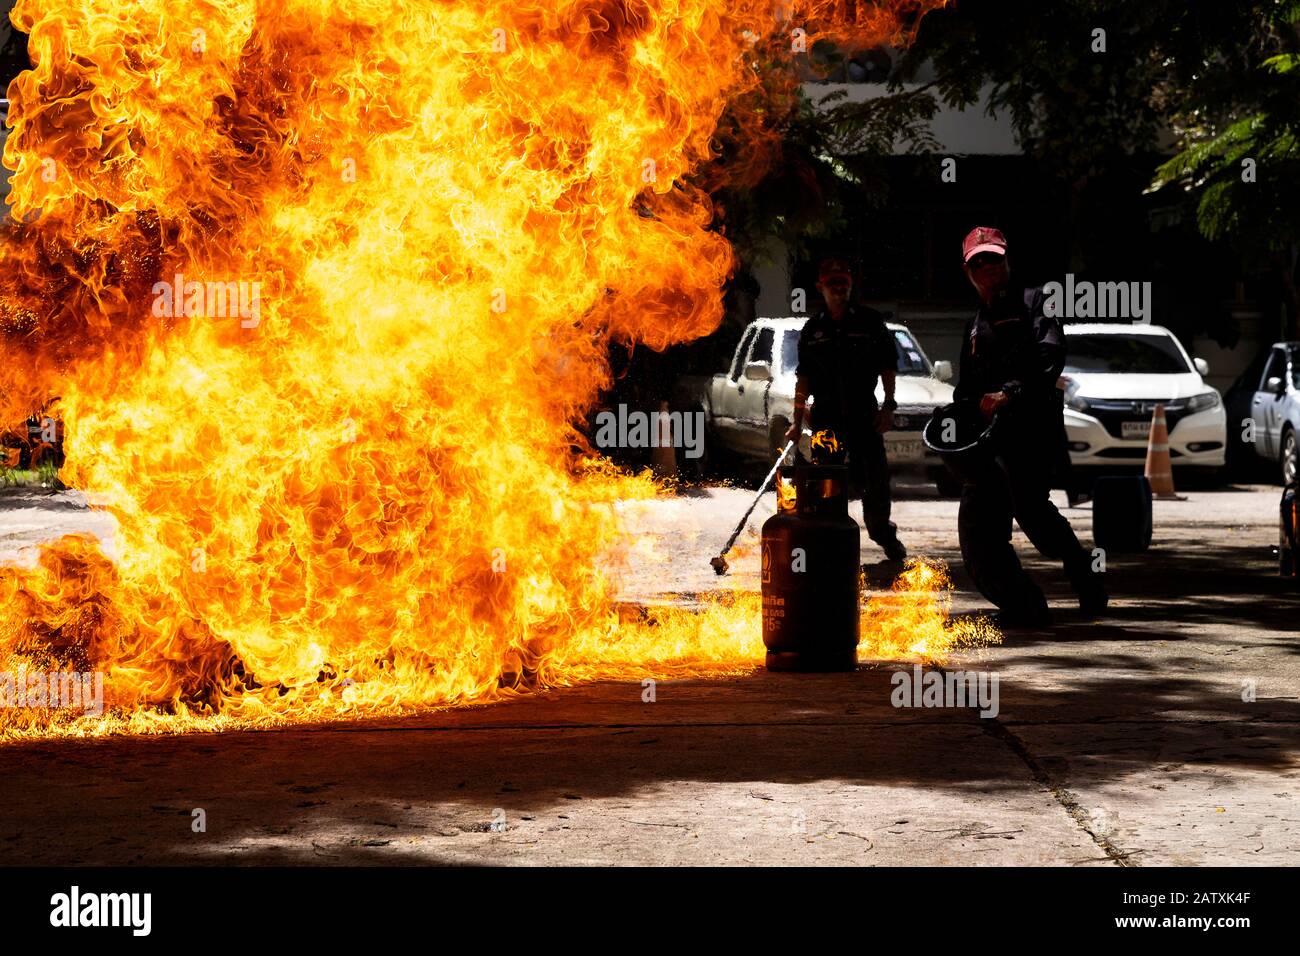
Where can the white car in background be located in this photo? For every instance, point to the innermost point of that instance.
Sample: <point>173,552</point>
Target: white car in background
<point>1275,409</point>
<point>1115,375</point>
<point>749,407</point>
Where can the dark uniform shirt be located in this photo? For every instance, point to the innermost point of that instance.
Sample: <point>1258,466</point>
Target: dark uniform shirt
<point>842,361</point>
<point>1013,346</point>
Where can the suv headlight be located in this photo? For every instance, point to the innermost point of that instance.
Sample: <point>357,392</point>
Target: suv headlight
<point>1203,401</point>
<point>1078,403</point>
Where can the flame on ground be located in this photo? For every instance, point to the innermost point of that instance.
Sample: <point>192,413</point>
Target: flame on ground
<point>911,621</point>
<point>323,288</point>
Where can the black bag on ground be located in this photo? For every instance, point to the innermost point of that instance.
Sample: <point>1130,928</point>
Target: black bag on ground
<point>1121,514</point>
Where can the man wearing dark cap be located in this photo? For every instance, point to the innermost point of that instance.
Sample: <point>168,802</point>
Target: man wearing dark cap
<point>843,351</point>
<point>1011,359</point>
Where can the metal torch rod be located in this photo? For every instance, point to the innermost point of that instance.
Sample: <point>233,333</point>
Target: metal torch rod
<point>754,504</point>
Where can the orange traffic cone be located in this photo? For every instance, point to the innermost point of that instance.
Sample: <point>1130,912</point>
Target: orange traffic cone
<point>1159,471</point>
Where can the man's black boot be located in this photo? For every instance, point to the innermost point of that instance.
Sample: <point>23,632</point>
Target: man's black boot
<point>1093,598</point>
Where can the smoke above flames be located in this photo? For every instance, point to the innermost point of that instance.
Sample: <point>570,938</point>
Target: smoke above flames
<point>369,498</point>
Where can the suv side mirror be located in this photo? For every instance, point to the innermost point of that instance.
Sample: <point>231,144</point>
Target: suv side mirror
<point>1275,385</point>
<point>943,370</point>
<point>758,372</point>
<point>1202,366</point>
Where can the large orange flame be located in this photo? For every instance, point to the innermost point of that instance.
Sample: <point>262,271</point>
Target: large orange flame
<point>350,487</point>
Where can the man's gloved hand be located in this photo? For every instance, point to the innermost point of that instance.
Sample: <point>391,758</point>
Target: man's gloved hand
<point>794,431</point>
<point>991,402</point>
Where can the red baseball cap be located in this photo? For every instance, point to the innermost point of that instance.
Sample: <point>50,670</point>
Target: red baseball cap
<point>983,239</point>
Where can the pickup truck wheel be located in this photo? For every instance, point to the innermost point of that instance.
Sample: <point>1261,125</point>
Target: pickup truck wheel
<point>1289,461</point>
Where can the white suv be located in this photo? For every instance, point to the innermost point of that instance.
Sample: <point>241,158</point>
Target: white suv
<point>1115,374</point>
<point>749,407</point>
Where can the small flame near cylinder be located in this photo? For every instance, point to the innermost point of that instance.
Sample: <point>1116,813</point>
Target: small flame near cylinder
<point>824,446</point>
<point>785,495</point>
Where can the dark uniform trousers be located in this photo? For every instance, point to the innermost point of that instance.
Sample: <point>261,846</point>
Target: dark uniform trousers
<point>869,470</point>
<point>1015,482</point>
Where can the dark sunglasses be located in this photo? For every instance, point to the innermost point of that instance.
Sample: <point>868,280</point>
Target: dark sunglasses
<point>986,259</point>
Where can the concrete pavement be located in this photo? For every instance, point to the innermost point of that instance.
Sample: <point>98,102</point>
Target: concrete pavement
<point>1120,743</point>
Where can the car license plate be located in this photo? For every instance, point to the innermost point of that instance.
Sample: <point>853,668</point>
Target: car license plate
<point>905,451</point>
<point>1134,430</point>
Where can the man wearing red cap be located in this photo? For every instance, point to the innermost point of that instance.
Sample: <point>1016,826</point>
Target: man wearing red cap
<point>843,351</point>
<point>1011,358</point>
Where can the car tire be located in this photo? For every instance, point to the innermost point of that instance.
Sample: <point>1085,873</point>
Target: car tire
<point>1289,459</point>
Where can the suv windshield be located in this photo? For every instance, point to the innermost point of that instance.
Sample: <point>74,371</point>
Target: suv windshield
<point>1147,354</point>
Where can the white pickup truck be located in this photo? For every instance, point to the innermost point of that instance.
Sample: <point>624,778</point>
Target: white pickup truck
<point>749,407</point>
